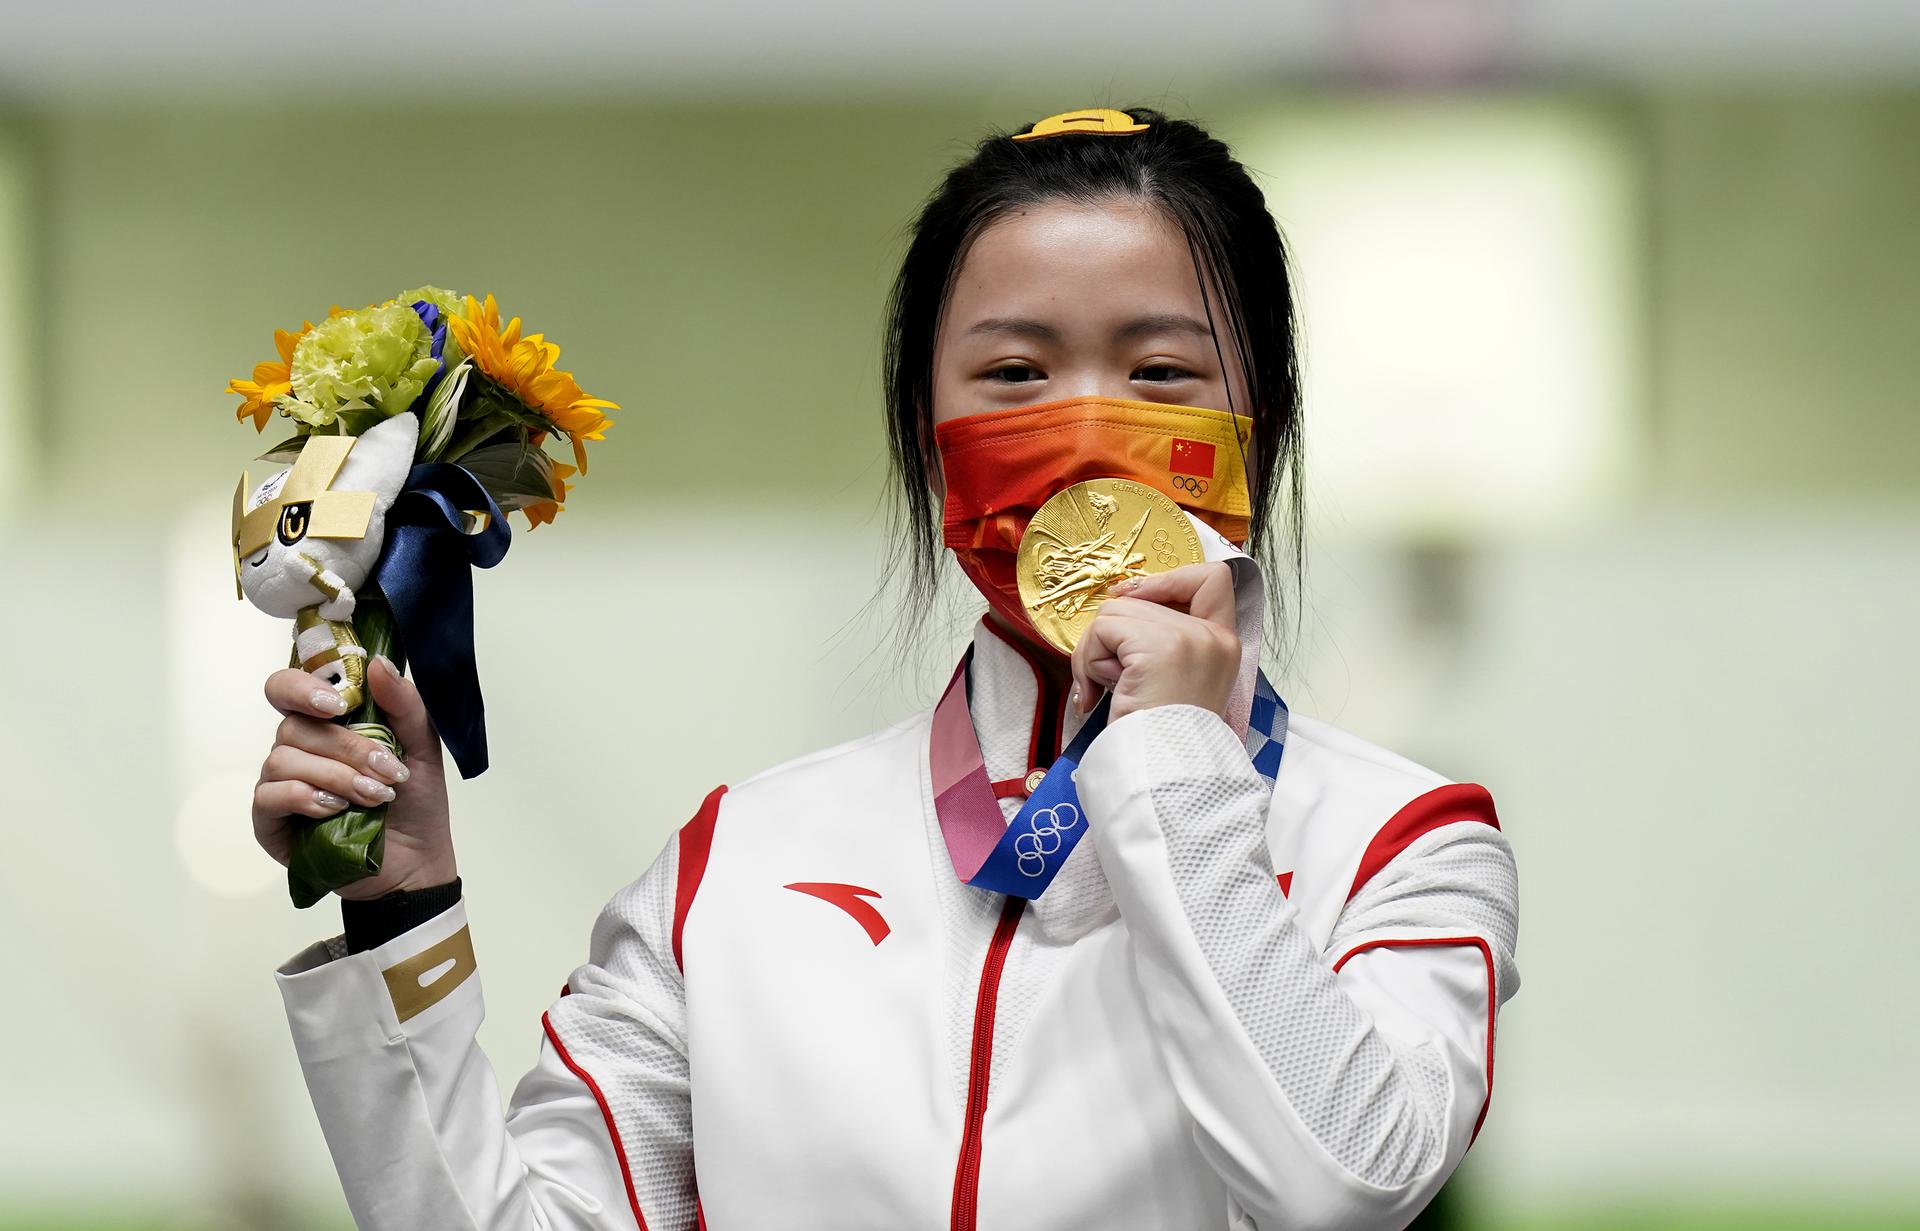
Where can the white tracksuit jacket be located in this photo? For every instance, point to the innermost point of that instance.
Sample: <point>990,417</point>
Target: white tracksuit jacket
<point>1234,1008</point>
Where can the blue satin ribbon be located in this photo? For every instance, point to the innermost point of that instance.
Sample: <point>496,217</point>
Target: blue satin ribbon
<point>1047,827</point>
<point>426,573</point>
<point>1051,822</point>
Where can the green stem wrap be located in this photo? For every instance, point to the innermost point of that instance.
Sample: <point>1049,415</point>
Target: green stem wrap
<point>348,846</point>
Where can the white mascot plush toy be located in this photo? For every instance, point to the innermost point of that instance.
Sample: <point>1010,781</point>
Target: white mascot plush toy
<point>309,535</point>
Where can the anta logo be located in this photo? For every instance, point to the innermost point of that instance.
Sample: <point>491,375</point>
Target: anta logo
<point>850,898</point>
<point>1194,457</point>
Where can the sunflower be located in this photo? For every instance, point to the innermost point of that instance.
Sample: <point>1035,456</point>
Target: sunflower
<point>540,512</point>
<point>524,367</point>
<point>271,381</point>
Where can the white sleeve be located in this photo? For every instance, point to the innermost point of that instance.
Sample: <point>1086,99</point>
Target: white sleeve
<point>411,1109</point>
<point>1333,1089</point>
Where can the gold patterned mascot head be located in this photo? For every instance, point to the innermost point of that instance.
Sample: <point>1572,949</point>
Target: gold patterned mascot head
<point>310,534</point>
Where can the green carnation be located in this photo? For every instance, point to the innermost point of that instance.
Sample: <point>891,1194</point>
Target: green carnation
<point>375,359</point>
<point>450,304</point>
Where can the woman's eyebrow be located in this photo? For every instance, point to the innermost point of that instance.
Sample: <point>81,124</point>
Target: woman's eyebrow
<point>1161,322</point>
<point>1018,326</point>
<point>1140,326</point>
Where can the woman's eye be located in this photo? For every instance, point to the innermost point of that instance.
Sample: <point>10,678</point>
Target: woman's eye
<point>1013,374</point>
<point>1161,373</point>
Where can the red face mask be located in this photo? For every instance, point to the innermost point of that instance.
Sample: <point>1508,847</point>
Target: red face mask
<point>1003,465</point>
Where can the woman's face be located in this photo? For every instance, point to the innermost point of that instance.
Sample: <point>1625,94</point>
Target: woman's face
<point>1066,300</point>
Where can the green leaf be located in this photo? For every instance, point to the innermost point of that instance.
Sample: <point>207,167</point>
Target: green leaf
<point>355,422</point>
<point>443,411</point>
<point>476,434</point>
<point>515,475</point>
<point>287,452</point>
<point>492,398</point>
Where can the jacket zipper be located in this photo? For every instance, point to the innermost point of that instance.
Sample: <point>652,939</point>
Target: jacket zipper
<point>966,1177</point>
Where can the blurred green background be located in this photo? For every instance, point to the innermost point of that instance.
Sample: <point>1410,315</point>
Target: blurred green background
<point>1614,465</point>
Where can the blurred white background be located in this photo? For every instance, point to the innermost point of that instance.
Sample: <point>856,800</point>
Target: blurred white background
<point>1615,508</point>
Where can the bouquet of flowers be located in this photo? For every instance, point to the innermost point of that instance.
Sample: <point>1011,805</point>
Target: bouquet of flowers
<point>418,425</point>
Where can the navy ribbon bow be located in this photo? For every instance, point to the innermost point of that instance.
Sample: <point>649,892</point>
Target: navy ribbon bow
<point>426,572</point>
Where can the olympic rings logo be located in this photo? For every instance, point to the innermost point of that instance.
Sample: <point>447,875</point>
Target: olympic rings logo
<point>1189,485</point>
<point>1030,850</point>
<point>1163,549</point>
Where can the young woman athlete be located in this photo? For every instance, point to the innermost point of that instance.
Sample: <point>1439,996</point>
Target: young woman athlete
<point>1105,939</point>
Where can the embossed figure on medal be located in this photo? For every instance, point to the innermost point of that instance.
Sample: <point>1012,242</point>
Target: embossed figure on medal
<point>1073,550</point>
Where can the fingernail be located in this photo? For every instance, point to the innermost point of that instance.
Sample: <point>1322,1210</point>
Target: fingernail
<point>330,701</point>
<point>388,766</point>
<point>327,799</point>
<point>367,786</point>
<point>382,658</point>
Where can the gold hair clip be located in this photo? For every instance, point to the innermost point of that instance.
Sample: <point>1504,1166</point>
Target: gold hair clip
<point>1099,121</point>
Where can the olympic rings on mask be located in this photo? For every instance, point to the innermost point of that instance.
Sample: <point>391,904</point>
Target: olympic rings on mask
<point>1031,849</point>
<point>1192,486</point>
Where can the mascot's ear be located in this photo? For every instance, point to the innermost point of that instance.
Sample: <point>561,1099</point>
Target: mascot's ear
<point>381,457</point>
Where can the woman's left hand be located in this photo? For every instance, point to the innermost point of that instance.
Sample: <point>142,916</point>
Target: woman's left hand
<point>1168,639</point>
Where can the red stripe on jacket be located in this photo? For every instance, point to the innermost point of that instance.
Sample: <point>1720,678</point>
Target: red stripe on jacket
<point>1444,805</point>
<point>606,1113</point>
<point>696,842</point>
<point>1493,992</point>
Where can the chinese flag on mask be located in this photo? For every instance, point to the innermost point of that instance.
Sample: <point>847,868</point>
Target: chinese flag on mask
<point>1191,457</point>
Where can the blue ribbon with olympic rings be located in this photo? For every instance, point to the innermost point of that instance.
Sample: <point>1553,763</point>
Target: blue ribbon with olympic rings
<point>1020,858</point>
<point>1047,827</point>
<point>1041,836</point>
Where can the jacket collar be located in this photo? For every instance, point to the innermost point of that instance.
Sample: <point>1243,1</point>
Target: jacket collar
<point>1021,715</point>
<point>1022,719</point>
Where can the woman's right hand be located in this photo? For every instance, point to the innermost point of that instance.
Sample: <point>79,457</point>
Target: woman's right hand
<point>317,767</point>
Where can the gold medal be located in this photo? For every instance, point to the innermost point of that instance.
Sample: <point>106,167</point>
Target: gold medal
<point>1090,536</point>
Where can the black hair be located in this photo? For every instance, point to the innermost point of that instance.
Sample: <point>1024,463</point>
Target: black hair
<point>1195,179</point>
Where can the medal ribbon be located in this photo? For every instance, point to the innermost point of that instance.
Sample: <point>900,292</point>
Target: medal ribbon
<point>1020,858</point>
